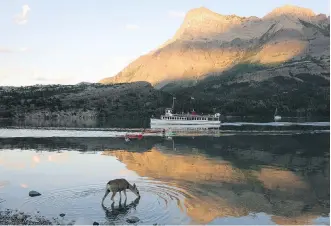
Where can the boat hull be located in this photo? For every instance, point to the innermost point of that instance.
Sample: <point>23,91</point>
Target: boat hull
<point>159,122</point>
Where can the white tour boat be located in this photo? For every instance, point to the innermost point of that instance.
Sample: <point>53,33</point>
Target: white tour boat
<point>169,118</point>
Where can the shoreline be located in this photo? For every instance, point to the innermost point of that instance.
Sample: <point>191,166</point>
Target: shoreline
<point>15,217</point>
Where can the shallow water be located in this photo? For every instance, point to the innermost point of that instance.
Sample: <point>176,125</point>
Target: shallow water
<point>238,179</point>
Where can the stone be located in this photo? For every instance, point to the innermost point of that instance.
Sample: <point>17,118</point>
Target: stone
<point>34,193</point>
<point>132,220</point>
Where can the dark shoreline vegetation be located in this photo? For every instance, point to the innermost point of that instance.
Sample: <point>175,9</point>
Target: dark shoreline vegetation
<point>132,104</point>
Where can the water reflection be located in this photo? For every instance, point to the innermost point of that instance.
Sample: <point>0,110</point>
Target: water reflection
<point>216,187</point>
<point>205,178</point>
<point>120,211</point>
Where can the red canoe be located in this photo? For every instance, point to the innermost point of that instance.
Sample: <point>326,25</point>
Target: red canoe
<point>134,136</point>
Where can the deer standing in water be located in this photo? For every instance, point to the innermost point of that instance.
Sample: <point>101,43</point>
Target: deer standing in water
<point>119,185</point>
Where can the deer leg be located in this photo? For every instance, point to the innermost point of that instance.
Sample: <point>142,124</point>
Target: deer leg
<point>112,197</point>
<point>124,193</point>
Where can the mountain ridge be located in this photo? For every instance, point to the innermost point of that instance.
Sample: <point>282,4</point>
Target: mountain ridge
<point>208,42</point>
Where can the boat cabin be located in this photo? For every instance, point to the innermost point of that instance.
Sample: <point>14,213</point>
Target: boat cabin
<point>168,112</point>
<point>187,117</point>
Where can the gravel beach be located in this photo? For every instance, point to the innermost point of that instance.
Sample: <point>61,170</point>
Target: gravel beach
<point>14,217</point>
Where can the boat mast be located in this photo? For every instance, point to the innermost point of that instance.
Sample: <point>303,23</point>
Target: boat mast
<point>192,98</point>
<point>173,102</point>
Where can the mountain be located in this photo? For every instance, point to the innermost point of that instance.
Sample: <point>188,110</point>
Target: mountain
<point>243,65</point>
<point>229,64</point>
<point>208,43</point>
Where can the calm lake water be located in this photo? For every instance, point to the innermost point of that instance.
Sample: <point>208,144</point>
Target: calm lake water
<point>232,178</point>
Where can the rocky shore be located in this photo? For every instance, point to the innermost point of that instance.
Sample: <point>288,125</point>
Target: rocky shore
<point>14,217</point>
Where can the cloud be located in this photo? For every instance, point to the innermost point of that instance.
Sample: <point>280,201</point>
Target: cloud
<point>23,49</point>
<point>26,76</point>
<point>132,27</point>
<point>176,14</point>
<point>22,18</point>
<point>11,50</point>
<point>5,50</point>
<point>49,78</point>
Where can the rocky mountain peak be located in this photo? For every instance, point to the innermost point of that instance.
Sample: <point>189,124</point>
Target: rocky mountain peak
<point>291,10</point>
<point>202,22</point>
<point>208,43</point>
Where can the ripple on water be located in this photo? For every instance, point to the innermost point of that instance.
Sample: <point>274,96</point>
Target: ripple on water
<point>159,203</point>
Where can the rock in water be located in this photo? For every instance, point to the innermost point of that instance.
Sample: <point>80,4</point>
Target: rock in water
<point>34,193</point>
<point>95,223</point>
<point>132,220</point>
<point>62,214</point>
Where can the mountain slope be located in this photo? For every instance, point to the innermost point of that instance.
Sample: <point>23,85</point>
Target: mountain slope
<point>208,43</point>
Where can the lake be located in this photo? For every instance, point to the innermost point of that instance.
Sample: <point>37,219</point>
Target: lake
<point>232,177</point>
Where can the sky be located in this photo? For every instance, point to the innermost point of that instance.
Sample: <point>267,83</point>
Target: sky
<point>67,42</point>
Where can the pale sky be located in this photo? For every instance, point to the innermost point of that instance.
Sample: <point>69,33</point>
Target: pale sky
<point>70,41</point>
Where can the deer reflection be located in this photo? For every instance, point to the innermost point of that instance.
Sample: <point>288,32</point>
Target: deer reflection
<point>120,210</point>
